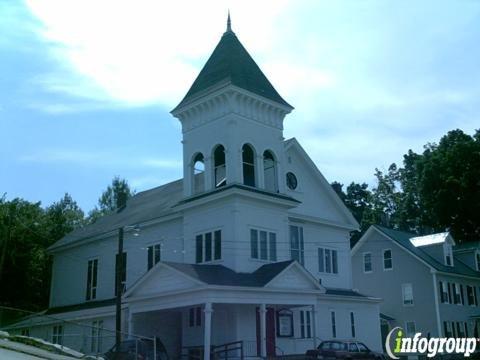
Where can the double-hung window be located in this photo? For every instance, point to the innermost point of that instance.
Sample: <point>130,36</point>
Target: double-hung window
<point>208,246</point>
<point>447,329</point>
<point>407,294</point>
<point>327,261</point>
<point>305,324</point>
<point>352,323</point>
<point>334,324</point>
<point>470,295</point>
<point>387,259</point>
<point>92,274</point>
<point>57,334</point>
<point>410,328</point>
<point>195,316</point>
<point>263,245</point>
<point>367,262</point>
<point>447,248</point>
<point>96,342</point>
<point>457,298</point>
<point>296,244</point>
<point>153,255</point>
<point>443,292</point>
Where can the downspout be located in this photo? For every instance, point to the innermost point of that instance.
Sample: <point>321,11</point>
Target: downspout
<point>437,306</point>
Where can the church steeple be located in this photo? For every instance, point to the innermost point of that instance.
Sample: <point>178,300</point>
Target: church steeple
<point>229,23</point>
<point>232,124</point>
<point>231,63</point>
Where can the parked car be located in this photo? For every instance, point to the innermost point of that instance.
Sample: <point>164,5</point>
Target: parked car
<point>137,349</point>
<point>337,349</point>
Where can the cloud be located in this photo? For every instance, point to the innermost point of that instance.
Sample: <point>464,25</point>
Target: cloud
<point>135,52</point>
<point>100,159</point>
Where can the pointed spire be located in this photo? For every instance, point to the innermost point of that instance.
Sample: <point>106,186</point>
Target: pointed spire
<point>229,23</point>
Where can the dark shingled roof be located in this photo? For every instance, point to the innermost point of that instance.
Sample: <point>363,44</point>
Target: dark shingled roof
<point>221,275</point>
<point>343,292</point>
<point>403,239</point>
<point>149,205</point>
<point>144,206</point>
<point>230,62</point>
<point>81,306</point>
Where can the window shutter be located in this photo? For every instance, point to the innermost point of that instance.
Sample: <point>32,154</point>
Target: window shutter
<point>150,256</point>
<point>461,295</point>
<point>321,265</point>
<point>218,245</point>
<point>199,249</point>
<point>450,293</point>
<point>440,286</point>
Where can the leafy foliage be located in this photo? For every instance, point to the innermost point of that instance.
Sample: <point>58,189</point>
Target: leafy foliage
<point>437,190</point>
<point>117,192</point>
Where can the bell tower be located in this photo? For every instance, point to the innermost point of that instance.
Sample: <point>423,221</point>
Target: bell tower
<point>232,124</point>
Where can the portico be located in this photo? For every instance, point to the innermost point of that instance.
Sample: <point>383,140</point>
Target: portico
<point>207,314</point>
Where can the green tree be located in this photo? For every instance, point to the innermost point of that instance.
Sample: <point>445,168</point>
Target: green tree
<point>118,190</point>
<point>448,181</point>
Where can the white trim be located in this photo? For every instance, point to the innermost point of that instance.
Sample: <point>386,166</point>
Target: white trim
<point>299,267</point>
<point>325,184</point>
<point>391,259</point>
<point>406,327</point>
<point>111,233</point>
<point>437,307</point>
<point>363,262</point>
<point>404,286</point>
<point>153,270</point>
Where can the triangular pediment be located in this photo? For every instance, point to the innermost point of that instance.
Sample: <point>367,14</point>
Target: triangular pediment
<point>295,277</point>
<point>160,280</point>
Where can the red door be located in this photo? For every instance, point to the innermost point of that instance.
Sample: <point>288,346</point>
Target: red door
<point>270,332</point>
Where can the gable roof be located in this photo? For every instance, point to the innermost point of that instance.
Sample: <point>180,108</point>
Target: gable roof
<point>293,142</point>
<point>230,62</point>
<point>144,206</point>
<point>221,275</point>
<point>402,238</point>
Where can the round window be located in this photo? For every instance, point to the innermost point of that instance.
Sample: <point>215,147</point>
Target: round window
<point>291,181</point>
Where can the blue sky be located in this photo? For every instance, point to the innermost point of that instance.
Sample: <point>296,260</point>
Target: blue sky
<point>86,86</point>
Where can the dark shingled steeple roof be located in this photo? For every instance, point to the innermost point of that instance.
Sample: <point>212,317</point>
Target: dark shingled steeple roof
<point>230,62</point>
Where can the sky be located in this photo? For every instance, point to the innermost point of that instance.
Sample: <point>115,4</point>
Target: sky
<point>86,86</point>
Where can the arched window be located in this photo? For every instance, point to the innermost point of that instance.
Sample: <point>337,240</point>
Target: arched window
<point>220,170</point>
<point>248,160</point>
<point>270,171</point>
<point>198,178</point>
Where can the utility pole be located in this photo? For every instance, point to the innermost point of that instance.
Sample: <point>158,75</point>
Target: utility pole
<point>119,290</point>
<point>121,203</point>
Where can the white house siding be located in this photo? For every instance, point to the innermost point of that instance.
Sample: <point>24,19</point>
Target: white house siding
<point>387,284</point>
<point>458,312</point>
<point>316,200</point>
<point>70,265</point>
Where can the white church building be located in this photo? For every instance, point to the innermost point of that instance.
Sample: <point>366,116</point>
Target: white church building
<point>251,246</point>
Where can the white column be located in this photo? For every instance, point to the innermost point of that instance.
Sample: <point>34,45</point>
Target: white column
<point>207,330</point>
<point>314,322</point>
<point>260,172</point>
<point>263,330</point>
<point>208,173</point>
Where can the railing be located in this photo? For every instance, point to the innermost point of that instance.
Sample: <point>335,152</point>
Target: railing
<point>251,349</point>
<point>232,350</point>
<point>223,351</point>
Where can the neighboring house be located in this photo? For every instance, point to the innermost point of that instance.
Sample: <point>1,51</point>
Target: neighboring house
<point>251,245</point>
<point>428,283</point>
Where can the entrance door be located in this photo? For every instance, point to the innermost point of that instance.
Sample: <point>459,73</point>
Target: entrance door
<point>270,332</point>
